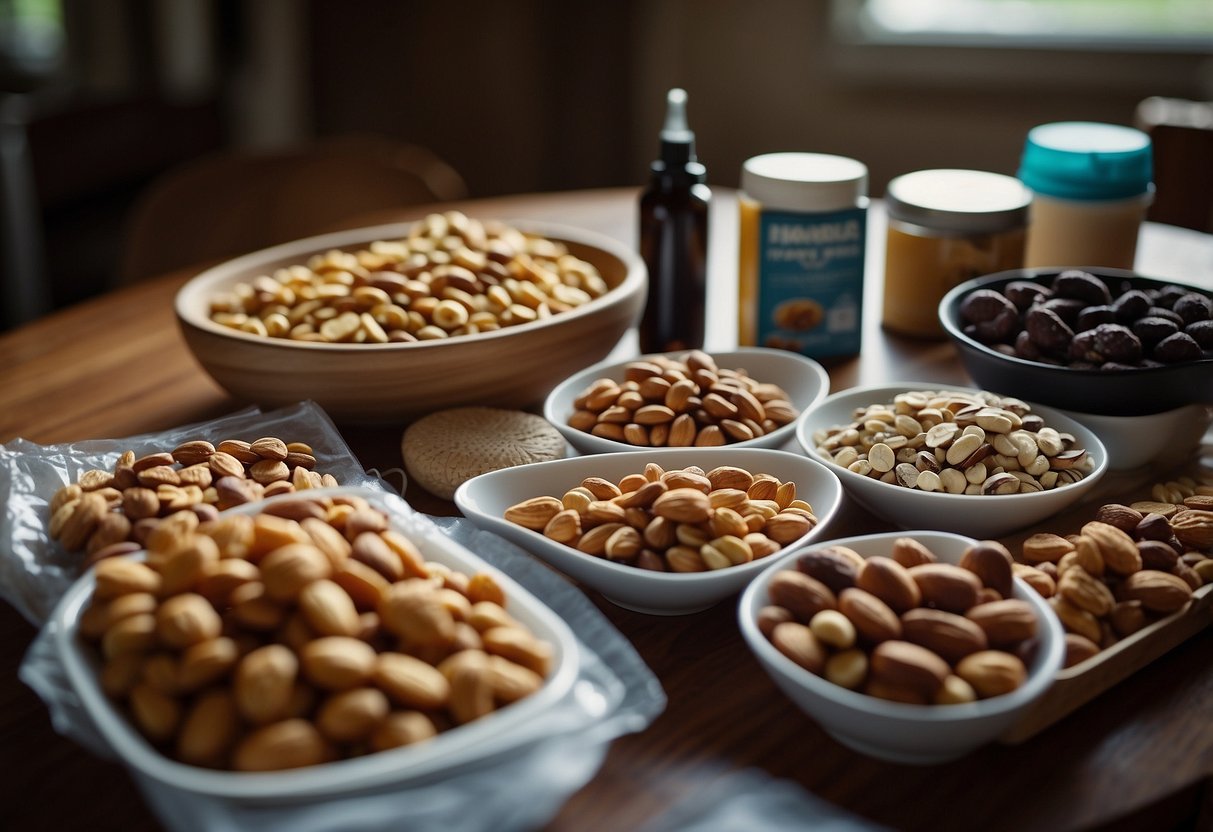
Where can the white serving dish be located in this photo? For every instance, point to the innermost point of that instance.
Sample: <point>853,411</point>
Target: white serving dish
<point>804,380</point>
<point>1165,438</point>
<point>917,734</point>
<point>982,516</point>
<point>166,780</point>
<point>485,498</point>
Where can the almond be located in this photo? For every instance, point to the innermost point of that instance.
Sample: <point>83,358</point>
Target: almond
<point>1075,619</point>
<point>1078,649</point>
<point>835,566</point>
<point>1046,547</point>
<point>410,682</point>
<point>351,715</point>
<point>990,561</point>
<point>900,664</point>
<point>872,617</point>
<point>797,642</point>
<point>1005,622</point>
<point>946,587</point>
<point>909,552</point>
<point>209,729</point>
<point>1194,527</point>
<point>292,743</point>
<point>1084,591</point>
<point>263,683</point>
<point>992,672</point>
<point>1158,592</point>
<point>683,505</point>
<point>889,581</point>
<point>946,634</point>
<point>534,513</point>
<point>1118,550</point>
<point>800,594</point>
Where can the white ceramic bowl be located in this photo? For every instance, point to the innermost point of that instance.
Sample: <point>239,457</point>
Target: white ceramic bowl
<point>894,731</point>
<point>485,498</point>
<point>804,380</point>
<point>387,383</point>
<point>982,516</point>
<point>163,778</point>
<point>1163,438</point>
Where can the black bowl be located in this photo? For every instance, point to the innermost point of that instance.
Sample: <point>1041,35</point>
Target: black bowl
<point>1128,392</point>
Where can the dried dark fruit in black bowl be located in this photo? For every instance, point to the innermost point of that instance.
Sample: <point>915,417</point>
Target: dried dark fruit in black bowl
<point>1176,348</point>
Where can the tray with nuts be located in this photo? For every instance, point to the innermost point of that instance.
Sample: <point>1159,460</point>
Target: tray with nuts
<point>665,534</point>
<point>307,630</point>
<point>749,397</point>
<point>1129,585</point>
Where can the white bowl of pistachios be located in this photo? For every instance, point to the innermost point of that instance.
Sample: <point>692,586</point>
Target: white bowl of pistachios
<point>952,458</point>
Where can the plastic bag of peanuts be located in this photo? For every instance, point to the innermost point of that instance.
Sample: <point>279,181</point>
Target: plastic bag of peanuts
<point>40,554</point>
<point>547,759</point>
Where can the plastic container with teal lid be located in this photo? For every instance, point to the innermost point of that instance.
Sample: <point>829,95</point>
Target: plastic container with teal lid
<point>803,232</point>
<point>1091,186</point>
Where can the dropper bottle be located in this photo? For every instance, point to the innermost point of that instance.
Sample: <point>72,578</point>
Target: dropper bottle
<point>674,238</point>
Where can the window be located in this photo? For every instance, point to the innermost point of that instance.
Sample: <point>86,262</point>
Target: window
<point>1137,25</point>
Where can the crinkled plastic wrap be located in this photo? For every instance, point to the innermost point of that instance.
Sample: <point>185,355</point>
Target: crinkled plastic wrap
<point>520,788</point>
<point>35,571</point>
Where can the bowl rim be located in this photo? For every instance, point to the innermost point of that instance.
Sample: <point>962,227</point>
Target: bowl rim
<point>1052,652</point>
<point>188,300</point>
<point>633,574</point>
<point>354,775</point>
<point>949,311</point>
<point>1091,442</point>
<point>775,439</point>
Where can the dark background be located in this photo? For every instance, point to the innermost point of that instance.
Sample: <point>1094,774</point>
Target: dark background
<point>518,96</point>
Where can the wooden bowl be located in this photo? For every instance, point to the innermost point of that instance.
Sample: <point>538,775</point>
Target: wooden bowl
<point>389,383</point>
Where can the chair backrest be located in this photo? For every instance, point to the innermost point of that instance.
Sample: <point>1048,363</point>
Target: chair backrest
<point>1182,136</point>
<point>233,203</point>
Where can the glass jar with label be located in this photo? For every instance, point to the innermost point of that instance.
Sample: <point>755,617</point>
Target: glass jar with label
<point>803,231</point>
<point>946,227</point>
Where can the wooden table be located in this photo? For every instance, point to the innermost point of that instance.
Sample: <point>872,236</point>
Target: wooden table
<point>1139,756</point>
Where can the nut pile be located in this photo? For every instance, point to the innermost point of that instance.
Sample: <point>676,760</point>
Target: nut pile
<point>686,520</point>
<point>108,513</point>
<point>664,401</point>
<point>955,442</point>
<point>297,637</point>
<point>451,276</point>
<point>1077,321</point>
<point>904,628</point>
<point>1129,567</point>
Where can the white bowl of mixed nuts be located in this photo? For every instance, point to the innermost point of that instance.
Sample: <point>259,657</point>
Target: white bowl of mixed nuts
<point>236,663</point>
<point>915,647</point>
<point>381,324</point>
<point>667,534</point>
<point>749,397</point>
<point>952,458</point>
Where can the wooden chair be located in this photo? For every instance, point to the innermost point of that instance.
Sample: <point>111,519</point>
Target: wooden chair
<point>229,204</point>
<point>1182,135</point>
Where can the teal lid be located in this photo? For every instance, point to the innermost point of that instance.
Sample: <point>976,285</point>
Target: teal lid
<point>1086,160</point>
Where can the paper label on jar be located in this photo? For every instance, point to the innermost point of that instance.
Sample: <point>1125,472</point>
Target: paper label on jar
<point>810,281</point>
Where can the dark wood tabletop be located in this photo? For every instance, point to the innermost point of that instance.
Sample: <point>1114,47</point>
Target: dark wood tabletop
<point>1138,756</point>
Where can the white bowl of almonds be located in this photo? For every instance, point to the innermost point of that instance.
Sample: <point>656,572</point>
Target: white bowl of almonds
<point>289,652</point>
<point>914,647</point>
<point>665,534</point>
<point>952,458</point>
<point>381,324</point>
<point>749,397</point>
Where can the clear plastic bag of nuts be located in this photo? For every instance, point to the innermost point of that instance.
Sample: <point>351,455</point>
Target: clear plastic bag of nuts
<point>35,570</point>
<point>548,759</point>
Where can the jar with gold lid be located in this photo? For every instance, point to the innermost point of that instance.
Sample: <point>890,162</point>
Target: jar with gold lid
<point>946,227</point>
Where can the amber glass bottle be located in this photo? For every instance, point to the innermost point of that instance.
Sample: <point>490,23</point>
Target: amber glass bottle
<point>674,239</point>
